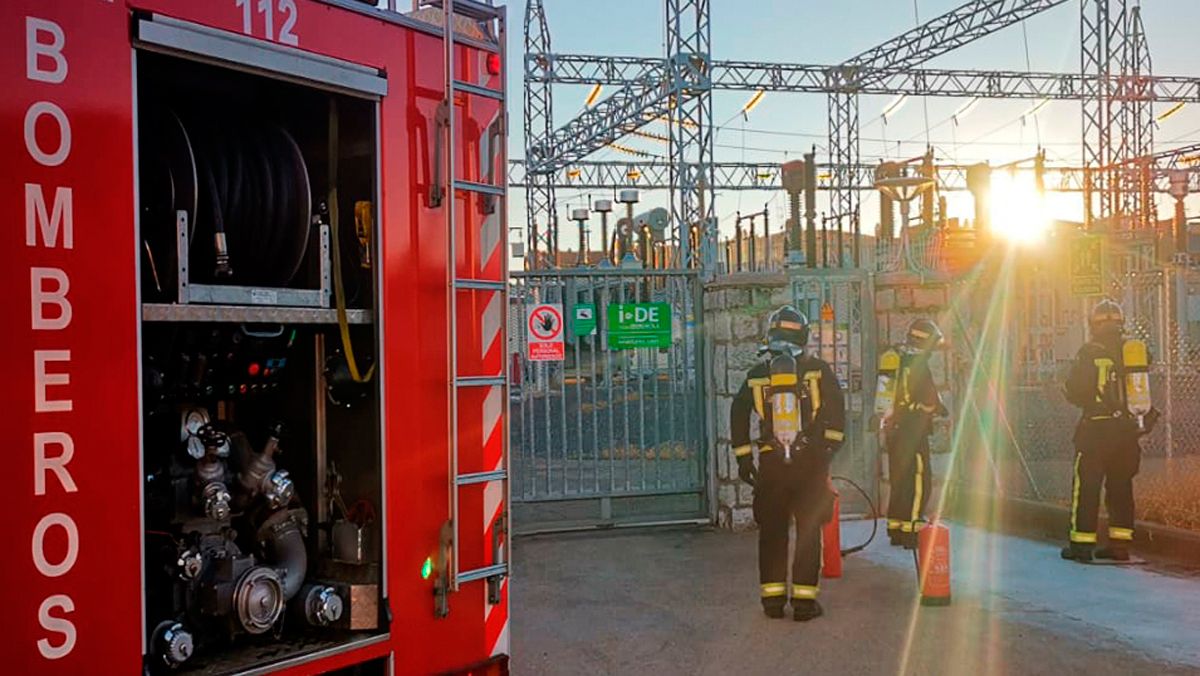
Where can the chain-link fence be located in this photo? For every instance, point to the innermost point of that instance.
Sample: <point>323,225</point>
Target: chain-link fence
<point>1015,435</point>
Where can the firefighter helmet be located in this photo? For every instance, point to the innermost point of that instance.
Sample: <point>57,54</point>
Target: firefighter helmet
<point>923,335</point>
<point>1107,319</point>
<point>787,325</point>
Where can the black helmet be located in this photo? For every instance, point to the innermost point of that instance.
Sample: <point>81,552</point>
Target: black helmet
<point>787,325</point>
<point>1107,319</point>
<point>923,335</point>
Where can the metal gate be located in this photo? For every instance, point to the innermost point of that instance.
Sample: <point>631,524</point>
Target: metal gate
<point>840,306</point>
<point>610,435</point>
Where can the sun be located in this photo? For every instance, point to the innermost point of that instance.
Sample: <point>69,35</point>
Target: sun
<point>1018,209</point>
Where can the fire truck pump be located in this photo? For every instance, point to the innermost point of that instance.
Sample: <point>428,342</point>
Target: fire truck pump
<point>235,378</point>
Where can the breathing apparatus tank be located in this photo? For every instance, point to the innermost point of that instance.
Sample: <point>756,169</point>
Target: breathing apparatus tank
<point>786,421</point>
<point>1137,379</point>
<point>885,387</point>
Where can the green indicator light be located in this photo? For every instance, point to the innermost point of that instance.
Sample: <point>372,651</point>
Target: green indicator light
<point>427,569</point>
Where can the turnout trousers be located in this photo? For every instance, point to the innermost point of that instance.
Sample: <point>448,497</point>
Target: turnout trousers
<point>1112,467</point>
<point>909,480</point>
<point>787,493</point>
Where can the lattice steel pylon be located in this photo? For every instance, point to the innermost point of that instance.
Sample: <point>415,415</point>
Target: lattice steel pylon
<point>689,114</point>
<point>1137,184</point>
<point>844,202</point>
<point>1118,115</point>
<point>957,27</point>
<point>540,203</point>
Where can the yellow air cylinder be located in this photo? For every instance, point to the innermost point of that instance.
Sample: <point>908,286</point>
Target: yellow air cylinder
<point>1137,378</point>
<point>885,388</point>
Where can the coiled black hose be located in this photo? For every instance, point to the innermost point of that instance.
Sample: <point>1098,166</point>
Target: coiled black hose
<point>253,205</point>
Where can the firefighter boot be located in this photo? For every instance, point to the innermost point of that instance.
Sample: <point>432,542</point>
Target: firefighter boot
<point>1113,552</point>
<point>773,607</point>
<point>1078,551</point>
<point>804,610</point>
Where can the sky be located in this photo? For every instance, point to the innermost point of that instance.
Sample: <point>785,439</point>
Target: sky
<point>783,126</point>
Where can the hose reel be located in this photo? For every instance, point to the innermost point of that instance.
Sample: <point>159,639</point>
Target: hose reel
<point>245,188</point>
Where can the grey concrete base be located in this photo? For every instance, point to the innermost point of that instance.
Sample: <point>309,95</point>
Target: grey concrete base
<point>1052,522</point>
<point>677,601</point>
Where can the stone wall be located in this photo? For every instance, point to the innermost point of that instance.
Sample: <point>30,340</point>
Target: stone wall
<point>735,312</point>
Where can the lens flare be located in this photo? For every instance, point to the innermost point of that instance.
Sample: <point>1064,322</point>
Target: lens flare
<point>1018,208</point>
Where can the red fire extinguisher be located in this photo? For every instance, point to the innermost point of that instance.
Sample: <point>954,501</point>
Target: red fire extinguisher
<point>933,564</point>
<point>831,542</point>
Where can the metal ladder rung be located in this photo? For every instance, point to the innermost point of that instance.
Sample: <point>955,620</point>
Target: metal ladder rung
<point>481,477</point>
<point>479,381</point>
<point>484,188</point>
<point>475,89</point>
<point>483,573</point>
<point>480,284</point>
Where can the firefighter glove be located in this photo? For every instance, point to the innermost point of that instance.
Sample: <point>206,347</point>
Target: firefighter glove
<point>1149,421</point>
<point>746,470</point>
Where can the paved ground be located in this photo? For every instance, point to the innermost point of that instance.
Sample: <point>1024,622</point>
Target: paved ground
<point>685,602</point>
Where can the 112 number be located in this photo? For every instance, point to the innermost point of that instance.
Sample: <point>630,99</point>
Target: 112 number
<point>287,9</point>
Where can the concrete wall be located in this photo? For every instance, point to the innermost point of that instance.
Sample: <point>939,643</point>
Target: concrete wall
<point>735,312</point>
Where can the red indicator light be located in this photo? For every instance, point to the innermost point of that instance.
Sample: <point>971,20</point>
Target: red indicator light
<point>254,368</point>
<point>242,388</point>
<point>266,373</point>
<point>493,64</point>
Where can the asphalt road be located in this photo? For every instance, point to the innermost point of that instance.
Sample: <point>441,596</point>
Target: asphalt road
<point>685,602</point>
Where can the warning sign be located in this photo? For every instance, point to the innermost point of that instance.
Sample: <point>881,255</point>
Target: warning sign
<point>1087,265</point>
<point>544,324</point>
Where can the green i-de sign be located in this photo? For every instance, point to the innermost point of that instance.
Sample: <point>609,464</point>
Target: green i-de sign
<point>634,325</point>
<point>583,323</point>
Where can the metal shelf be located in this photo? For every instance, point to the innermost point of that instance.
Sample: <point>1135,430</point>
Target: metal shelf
<point>248,314</point>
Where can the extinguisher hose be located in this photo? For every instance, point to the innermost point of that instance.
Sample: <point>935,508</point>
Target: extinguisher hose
<point>874,522</point>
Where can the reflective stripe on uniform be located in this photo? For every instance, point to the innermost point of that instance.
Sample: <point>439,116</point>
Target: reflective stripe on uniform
<point>918,492</point>
<point>906,526</point>
<point>834,435</point>
<point>928,408</point>
<point>770,589</point>
<point>739,451</point>
<point>757,385</point>
<point>813,380</point>
<point>1083,538</point>
<point>783,379</point>
<point>1075,499</point>
<point>1103,367</point>
<point>804,591</point>
<point>894,524</point>
<point>764,448</point>
<point>1115,533</point>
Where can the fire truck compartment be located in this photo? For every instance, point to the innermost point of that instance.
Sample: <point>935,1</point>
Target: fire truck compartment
<point>262,452</point>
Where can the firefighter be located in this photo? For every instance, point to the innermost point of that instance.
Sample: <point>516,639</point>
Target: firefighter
<point>906,433</point>
<point>801,413</point>
<point>1108,452</point>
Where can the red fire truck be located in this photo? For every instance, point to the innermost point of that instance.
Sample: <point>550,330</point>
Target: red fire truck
<point>256,409</point>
